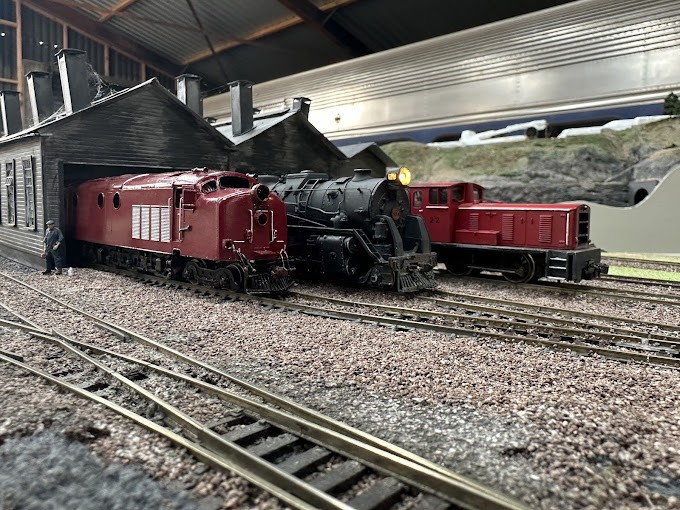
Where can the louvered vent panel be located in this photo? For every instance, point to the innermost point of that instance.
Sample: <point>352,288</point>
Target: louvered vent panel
<point>155,224</point>
<point>545,228</point>
<point>136,212</point>
<point>508,227</point>
<point>145,222</point>
<point>151,222</point>
<point>165,224</point>
<point>474,221</point>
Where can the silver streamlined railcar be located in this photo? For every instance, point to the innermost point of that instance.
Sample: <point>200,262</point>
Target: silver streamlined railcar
<point>576,64</point>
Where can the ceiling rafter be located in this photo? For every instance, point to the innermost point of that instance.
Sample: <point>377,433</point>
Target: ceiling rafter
<point>83,23</point>
<point>199,23</point>
<point>117,9</point>
<point>261,32</point>
<point>104,11</point>
<point>327,26</point>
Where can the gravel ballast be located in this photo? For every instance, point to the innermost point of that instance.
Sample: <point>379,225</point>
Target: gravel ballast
<point>553,429</point>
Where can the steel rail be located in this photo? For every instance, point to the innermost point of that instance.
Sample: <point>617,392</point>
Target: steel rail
<point>483,492</point>
<point>642,337</point>
<point>201,453</point>
<point>613,354</point>
<point>238,456</point>
<point>551,309</point>
<point>574,288</point>
<point>623,335</point>
<point>409,472</point>
<point>632,295</point>
<point>675,284</point>
<point>668,263</point>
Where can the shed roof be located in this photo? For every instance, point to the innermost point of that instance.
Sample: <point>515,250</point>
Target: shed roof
<point>263,123</point>
<point>151,86</point>
<point>260,40</point>
<point>354,149</point>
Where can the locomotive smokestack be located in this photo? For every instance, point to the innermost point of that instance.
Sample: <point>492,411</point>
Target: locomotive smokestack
<point>241,106</point>
<point>11,112</point>
<point>40,95</point>
<point>189,92</point>
<point>73,74</point>
<point>302,104</point>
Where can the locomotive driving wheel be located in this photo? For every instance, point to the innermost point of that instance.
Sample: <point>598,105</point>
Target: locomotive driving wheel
<point>224,279</point>
<point>524,271</point>
<point>191,271</point>
<point>238,278</point>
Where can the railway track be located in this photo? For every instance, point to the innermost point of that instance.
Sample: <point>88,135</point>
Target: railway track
<point>593,290</point>
<point>622,344</point>
<point>647,282</point>
<point>518,327</point>
<point>268,439</point>
<point>633,260</point>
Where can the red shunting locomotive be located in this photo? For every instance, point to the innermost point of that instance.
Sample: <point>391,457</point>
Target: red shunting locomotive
<point>524,242</point>
<point>216,228</point>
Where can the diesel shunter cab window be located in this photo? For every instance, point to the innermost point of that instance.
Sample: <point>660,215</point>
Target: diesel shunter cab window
<point>438,196</point>
<point>457,193</point>
<point>418,199</point>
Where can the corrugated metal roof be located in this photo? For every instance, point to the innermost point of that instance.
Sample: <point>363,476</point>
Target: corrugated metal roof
<point>261,39</point>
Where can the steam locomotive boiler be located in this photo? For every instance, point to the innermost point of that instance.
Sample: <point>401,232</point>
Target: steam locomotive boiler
<point>216,228</point>
<point>357,229</point>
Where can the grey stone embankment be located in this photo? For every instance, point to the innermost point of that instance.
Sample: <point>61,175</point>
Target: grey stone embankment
<point>595,168</point>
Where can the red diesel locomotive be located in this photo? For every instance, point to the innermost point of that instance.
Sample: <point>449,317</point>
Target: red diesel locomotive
<point>524,242</point>
<point>216,228</point>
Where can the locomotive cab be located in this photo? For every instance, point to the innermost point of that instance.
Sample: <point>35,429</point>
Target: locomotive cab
<point>438,204</point>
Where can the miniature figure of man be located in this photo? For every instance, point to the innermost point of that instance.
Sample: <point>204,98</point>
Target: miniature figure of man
<point>54,248</point>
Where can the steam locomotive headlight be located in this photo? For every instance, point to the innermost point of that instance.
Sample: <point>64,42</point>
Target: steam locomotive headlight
<point>404,176</point>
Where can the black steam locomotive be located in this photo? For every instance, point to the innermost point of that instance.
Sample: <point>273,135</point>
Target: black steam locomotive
<point>358,229</point>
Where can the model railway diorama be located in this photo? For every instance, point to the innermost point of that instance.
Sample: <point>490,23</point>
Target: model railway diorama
<point>255,301</point>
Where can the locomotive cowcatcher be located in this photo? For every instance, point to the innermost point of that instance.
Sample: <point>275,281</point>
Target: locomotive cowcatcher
<point>357,229</point>
<point>216,228</point>
<point>524,242</point>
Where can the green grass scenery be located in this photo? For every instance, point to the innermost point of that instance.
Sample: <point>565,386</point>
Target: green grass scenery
<point>652,257</point>
<point>652,274</point>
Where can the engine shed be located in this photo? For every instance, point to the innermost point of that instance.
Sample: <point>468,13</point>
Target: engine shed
<point>139,130</point>
<point>285,141</point>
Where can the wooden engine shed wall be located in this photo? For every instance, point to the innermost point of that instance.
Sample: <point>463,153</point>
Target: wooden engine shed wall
<point>17,241</point>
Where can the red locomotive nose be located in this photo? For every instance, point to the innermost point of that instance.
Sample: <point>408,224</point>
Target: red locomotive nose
<point>259,192</point>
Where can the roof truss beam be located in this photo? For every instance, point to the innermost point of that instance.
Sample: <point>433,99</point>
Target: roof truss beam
<point>327,26</point>
<point>61,11</point>
<point>264,31</point>
<point>118,8</point>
